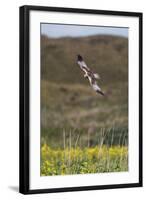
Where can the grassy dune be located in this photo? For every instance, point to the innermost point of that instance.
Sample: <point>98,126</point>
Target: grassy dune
<point>108,55</point>
<point>77,107</point>
<point>74,119</point>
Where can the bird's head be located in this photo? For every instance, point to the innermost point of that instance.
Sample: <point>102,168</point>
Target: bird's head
<point>79,58</point>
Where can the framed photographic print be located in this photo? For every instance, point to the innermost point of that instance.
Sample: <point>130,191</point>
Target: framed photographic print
<point>80,99</point>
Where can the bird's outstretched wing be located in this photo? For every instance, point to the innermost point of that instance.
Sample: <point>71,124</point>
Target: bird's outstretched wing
<point>85,68</point>
<point>89,74</point>
<point>94,85</point>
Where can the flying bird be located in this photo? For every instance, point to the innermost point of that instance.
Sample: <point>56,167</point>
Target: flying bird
<point>88,73</point>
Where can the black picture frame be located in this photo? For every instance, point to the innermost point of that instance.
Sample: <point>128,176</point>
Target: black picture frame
<point>25,105</point>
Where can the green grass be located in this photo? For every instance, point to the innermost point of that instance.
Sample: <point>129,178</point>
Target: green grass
<point>54,137</point>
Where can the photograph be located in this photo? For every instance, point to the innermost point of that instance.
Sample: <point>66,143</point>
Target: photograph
<point>83,99</point>
<point>80,99</point>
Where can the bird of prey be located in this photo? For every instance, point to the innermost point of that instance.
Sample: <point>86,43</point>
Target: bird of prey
<point>88,73</point>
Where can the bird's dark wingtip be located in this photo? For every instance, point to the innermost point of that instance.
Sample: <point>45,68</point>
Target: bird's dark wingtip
<point>100,92</point>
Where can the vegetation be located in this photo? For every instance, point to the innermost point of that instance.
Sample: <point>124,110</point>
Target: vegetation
<point>82,161</point>
<point>108,55</point>
<point>76,158</point>
<point>74,119</point>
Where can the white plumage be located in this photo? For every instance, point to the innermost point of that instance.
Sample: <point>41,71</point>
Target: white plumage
<point>92,77</point>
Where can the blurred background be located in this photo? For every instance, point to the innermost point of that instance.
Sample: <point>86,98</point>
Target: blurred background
<point>68,102</point>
